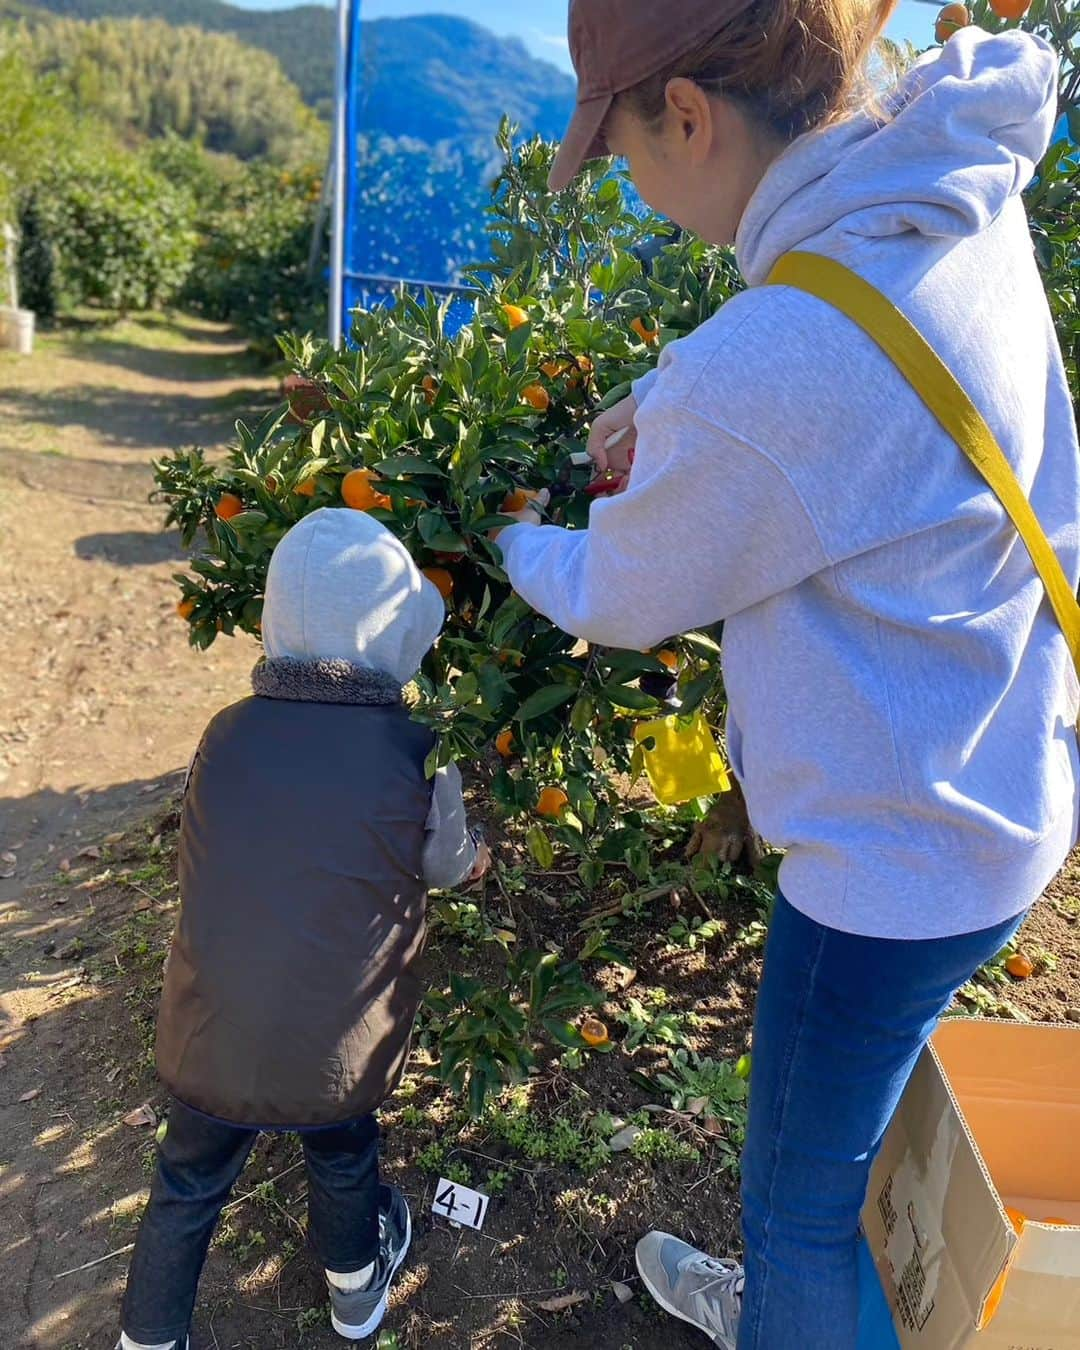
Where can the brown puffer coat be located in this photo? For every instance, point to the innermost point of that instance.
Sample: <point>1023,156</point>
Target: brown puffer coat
<point>291,987</point>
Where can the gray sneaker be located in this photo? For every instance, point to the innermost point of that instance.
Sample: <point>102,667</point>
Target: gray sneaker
<point>358,1315</point>
<point>695,1287</point>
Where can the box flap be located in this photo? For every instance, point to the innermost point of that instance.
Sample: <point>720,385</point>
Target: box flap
<point>939,1235</point>
<point>1018,1087</point>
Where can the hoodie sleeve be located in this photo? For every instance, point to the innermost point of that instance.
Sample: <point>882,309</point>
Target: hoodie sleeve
<point>709,526</point>
<point>449,848</point>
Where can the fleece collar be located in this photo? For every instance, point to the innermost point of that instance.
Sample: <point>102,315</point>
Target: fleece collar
<point>330,681</point>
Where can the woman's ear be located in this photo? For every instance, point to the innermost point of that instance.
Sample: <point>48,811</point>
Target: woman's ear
<point>691,110</point>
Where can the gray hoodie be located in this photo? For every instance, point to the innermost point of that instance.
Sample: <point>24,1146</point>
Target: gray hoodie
<point>342,588</point>
<point>901,699</point>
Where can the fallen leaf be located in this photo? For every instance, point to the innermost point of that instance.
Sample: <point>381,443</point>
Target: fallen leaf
<point>29,1096</point>
<point>150,787</point>
<point>111,839</point>
<point>91,851</point>
<point>564,1301</point>
<point>620,1142</point>
<point>622,1292</point>
<point>113,1074</point>
<point>9,857</point>
<point>6,871</point>
<point>697,1105</point>
<point>65,865</point>
<point>713,1126</point>
<point>142,1117</point>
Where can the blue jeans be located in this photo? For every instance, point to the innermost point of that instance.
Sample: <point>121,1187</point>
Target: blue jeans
<point>199,1160</point>
<point>840,1024</point>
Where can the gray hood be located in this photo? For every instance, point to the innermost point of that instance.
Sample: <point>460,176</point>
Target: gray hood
<point>968,126</point>
<point>341,587</point>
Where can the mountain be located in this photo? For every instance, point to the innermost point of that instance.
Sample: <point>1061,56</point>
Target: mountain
<point>433,77</point>
<point>440,78</point>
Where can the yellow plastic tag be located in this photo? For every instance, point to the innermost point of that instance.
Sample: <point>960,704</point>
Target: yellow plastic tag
<point>684,761</point>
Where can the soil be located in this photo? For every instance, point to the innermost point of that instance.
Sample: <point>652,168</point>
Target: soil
<point>101,702</point>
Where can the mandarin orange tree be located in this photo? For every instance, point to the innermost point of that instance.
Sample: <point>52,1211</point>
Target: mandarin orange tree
<point>437,435</point>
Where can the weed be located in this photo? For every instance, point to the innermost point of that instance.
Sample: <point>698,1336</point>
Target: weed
<point>497,1183</point>
<point>458,1172</point>
<point>657,1145</point>
<point>644,1026</point>
<point>432,1158</point>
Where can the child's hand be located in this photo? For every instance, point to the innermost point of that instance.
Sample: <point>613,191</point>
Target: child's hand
<point>532,514</point>
<point>483,862</point>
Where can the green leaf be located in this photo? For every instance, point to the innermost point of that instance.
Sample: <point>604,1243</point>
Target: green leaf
<point>623,696</point>
<point>541,847</point>
<point>437,534</point>
<point>545,700</point>
<point>397,465</point>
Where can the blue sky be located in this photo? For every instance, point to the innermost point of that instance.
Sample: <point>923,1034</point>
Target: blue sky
<point>541,24</point>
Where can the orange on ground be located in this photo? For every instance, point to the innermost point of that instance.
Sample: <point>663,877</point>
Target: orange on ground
<point>1010,9</point>
<point>441,579</point>
<point>358,491</point>
<point>552,802</point>
<point>668,658</point>
<point>228,505</point>
<point>517,500</point>
<point>651,335</point>
<point>306,489</point>
<point>951,19</point>
<point>504,743</point>
<point>515,315</point>
<point>537,397</point>
<point>1019,966</point>
<point>186,608</point>
<point>594,1032</point>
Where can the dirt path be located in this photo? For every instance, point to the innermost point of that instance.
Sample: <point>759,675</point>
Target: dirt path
<point>101,699</point>
<point>100,695</point>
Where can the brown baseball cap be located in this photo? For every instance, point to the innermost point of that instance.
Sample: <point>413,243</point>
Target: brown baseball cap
<point>615,44</point>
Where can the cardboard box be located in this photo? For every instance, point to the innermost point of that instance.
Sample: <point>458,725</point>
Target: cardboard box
<point>991,1118</point>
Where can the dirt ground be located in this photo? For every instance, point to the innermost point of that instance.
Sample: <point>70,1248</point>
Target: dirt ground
<point>101,701</point>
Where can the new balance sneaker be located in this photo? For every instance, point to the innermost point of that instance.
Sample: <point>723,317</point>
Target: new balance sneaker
<point>126,1343</point>
<point>360,1314</point>
<point>692,1286</point>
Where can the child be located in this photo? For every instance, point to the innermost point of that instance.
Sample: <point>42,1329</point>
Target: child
<point>901,697</point>
<point>310,833</point>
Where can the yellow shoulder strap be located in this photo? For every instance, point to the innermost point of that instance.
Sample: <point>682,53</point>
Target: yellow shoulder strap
<point>929,376</point>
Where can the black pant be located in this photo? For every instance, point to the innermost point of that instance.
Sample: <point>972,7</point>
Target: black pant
<point>198,1162</point>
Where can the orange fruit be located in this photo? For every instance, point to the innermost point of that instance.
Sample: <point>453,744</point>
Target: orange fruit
<point>553,369</point>
<point>594,1032</point>
<point>504,743</point>
<point>430,386</point>
<point>517,500</point>
<point>186,608</point>
<point>552,802</point>
<point>228,505</point>
<point>647,333</point>
<point>515,315</point>
<point>951,19</point>
<point>358,491</point>
<point>537,397</point>
<point>510,659</point>
<point>1019,966</point>
<point>441,579</point>
<point>306,489</point>
<point>585,365</point>
<point>1010,9</point>
<point>669,659</point>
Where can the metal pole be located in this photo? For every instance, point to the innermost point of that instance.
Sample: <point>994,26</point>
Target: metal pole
<point>341,151</point>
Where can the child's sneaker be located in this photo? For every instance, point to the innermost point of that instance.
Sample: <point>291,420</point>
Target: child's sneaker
<point>360,1314</point>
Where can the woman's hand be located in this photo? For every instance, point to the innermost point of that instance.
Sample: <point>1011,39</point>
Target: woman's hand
<point>532,514</point>
<point>617,421</point>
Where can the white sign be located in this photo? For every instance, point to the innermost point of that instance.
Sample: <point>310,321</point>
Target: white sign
<point>465,1208</point>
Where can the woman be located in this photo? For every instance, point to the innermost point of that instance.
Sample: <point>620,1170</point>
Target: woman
<point>901,699</point>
